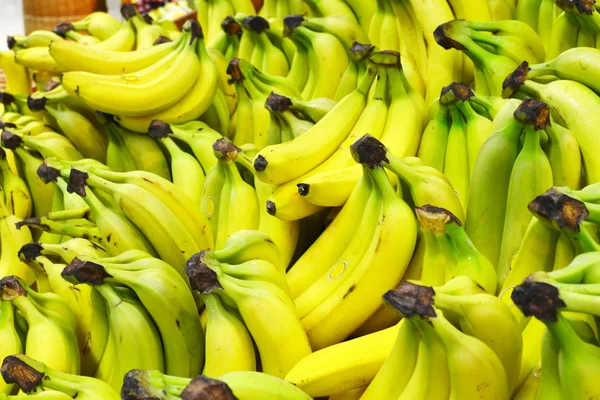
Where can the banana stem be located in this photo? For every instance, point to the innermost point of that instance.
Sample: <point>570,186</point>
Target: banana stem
<point>583,303</point>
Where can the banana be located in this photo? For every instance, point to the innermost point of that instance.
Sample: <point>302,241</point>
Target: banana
<point>456,161</point>
<point>229,346</point>
<point>37,38</point>
<point>17,197</point>
<point>163,293</point>
<point>86,137</point>
<point>344,366</point>
<point>487,208</point>
<point>48,144</point>
<point>91,322</point>
<point>281,341</point>
<point>33,376</point>
<point>99,24</point>
<point>531,176</point>
<point>432,147</point>
<point>397,369</point>
<point>564,34</point>
<point>17,77</point>
<point>11,342</point>
<point>49,338</point>
<point>564,156</point>
<point>186,170</point>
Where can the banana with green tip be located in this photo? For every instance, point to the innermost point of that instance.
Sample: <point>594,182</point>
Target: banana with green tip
<point>344,366</point>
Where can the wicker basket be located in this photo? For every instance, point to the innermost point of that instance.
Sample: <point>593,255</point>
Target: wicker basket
<point>46,14</point>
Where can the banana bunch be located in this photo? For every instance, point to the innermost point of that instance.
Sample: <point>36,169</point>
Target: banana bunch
<point>565,96</point>
<point>578,25</point>
<point>554,298</point>
<point>250,123</point>
<point>211,14</point>
<point>91,324</point>
<point>240,385</point>
<point>304,187</point>
<point>258,291</point>
<point>39,380</point>
<point>520,174</point>
<point>496,49</point>
<point>452,139</point>
<point>137,210</point>
<point>170,11</point>
<point>351,274</point>
<point>163,294</point>
<point>225,187</point>
<point>51,325</point>
<point>429,346</point>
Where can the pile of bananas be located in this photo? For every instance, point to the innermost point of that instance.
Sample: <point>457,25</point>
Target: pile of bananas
<point>332,199</point>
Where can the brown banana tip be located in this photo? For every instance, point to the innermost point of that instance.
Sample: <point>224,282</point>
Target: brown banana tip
<point>360,51</point>
<point>11,42</point>
<point>202,278</point>
<point>233,70</point>
<point>128,11</point>
<point>196,30</point>
<point>36,104</point>
<point>147,18</point>
<point>278,103</point>
<point>160,40</point>
<point>6,98</point>
<point>34,221</point>
<point>30,251</point>
<point>230,26</point>
<point>159,129</point>
<point>11,288</point>
<point>303,189</point>
<point>440,34</point>
<point>80,271</point>
<point>256,23</point>
<point>10,140</point>
<point>77,181</point>
<point>260,163</point>
<point>15,370</point>
<point>293,21</point>
<point>562,210</point>
<point>577,6</point>
<point>46,173</point>
<point>271,208</point>
<point>456,90</point>
<point>203,387</point>
<point>62,28</point>
<point>225,150</point>
<point>4,125</point>
<point>513,82</point>
<point>410,300</point>
<point>370,151</point>
<point>135,386</point>
<point>533,112</point>
<point>538,299</point>
<point>434,219</point>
